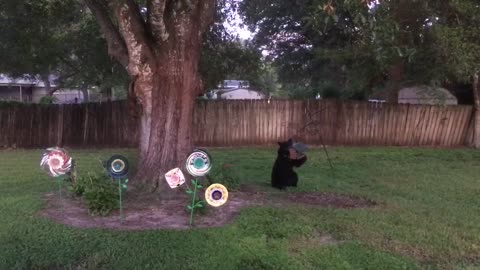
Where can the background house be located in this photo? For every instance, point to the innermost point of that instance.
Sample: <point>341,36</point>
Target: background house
<point>32,89</point>
<point>234,89</point>
<point>426,95</point>
<point>239,94</point>
<point>420,94</point>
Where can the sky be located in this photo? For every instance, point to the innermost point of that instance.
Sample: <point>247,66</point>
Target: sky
<point>242,33</point>
<point>235,27</point>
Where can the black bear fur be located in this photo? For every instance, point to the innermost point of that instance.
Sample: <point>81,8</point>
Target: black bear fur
<point>283,174</point>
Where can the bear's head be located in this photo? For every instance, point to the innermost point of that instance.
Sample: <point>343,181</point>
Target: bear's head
<point>283,149</point>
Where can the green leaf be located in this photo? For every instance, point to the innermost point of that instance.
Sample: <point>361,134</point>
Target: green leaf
<point>189,207</point>
<point>126,181</point>
<point>357,18</point>
<point>399,51</point>
<point>199,186</point>
<point>124,186</point>
<point>189,191</point>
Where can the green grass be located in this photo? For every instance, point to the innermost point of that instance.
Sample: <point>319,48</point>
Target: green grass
<point>429,217</point>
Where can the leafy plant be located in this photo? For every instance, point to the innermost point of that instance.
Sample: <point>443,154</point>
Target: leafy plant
<point>72,174</point>
<point>78,187</point>
<point>8,104</point>
<point>99,192</point>
<point>228,176</point>
<point>46,100</point>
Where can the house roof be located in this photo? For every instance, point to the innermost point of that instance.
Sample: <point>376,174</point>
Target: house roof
<point>426,94</point>
<point>234,84</point>
<point>224,91</point>
<point>25,80</point>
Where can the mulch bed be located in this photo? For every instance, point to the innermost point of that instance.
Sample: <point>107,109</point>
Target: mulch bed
<point>149,212</point>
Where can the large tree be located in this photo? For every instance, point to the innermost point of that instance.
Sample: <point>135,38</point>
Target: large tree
<point>344,46</point>
<point>311,49</point>
<point>456,50</point>
<point>159,44</point>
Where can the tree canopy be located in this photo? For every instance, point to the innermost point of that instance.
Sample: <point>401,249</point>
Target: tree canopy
<point>43,37</point>
<point>52,37</point>
<point>347,48</point>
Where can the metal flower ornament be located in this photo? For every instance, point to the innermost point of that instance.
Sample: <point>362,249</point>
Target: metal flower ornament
<point>117,167</point>
<point>57,163</point>
<point>199,164</point>
<point>216,195</point>
<point>175,178</point>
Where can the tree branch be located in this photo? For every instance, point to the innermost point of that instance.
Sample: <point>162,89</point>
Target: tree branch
<point>476,89</point>
<point>133,31</point>
<point>156,15</point>
<point>116,46</point>
<point>206,13</point>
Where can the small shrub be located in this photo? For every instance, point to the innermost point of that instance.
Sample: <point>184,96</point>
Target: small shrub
<point>226,175</point>
<point>77,189</point>
<point>9,104</point>
<point>99,192</point>
<point>72,174</point>
<point>47,100</point>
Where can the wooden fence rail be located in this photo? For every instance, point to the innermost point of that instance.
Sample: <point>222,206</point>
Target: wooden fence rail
<point>242,123</point>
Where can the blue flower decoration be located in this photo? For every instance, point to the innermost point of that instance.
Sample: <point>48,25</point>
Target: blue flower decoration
<point>117,166</point>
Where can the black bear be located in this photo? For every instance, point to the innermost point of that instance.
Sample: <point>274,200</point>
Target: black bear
<point>283,174</point>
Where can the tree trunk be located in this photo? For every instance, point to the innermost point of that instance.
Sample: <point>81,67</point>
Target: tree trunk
<point>85,94</point>
<point>106,92</point>
<point>166,118</point>
<point>476,116</point>
<point>395,77</point>
<point>161,55</point>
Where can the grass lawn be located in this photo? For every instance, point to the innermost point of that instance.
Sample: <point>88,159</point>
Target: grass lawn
<point>429,217</point>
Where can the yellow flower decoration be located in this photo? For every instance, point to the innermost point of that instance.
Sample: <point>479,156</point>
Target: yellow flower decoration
<point>216,195</point>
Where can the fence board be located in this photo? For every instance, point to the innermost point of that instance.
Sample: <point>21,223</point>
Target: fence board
<point>246,122</point>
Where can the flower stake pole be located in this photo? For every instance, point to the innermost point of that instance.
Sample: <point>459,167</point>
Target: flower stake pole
<point>121,186</point>
<point>117,168</point>
<point>60,182</point>
<point>194,204</point>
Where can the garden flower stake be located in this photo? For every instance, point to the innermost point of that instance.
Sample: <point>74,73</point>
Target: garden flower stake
<point>198,164</point>
<point>117,168</point>
<point>56,162</point>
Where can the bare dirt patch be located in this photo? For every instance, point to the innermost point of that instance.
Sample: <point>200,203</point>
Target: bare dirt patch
<point>315,240</point>
<point>148,211</point>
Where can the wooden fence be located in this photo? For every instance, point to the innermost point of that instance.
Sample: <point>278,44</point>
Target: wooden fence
<point>238,123</point>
